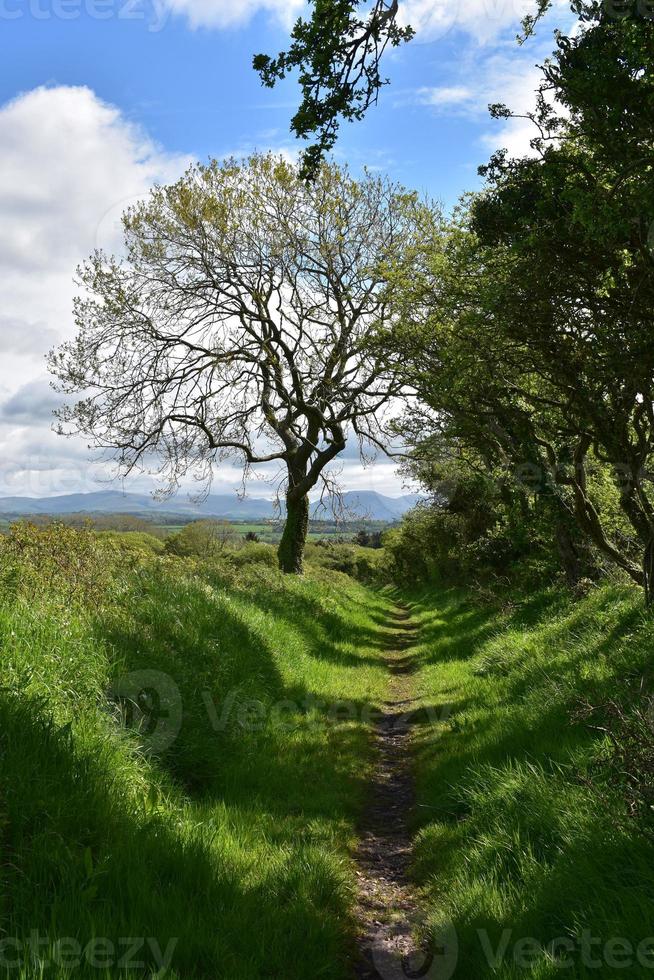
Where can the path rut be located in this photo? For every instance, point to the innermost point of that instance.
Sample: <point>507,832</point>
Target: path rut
<point>386,906</point>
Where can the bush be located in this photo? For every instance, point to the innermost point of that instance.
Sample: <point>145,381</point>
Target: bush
<point>253,553</point>
<point>133,543</point>
<point>59,562</point>
<point>364,564</point>
<point>201,539</point>
<point>479,536</point>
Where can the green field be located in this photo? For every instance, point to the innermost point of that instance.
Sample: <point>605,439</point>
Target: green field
<point>272,531</point>
<point>232,844</point>
<point>216,816</point>
<point>269,531</point>
<point>524,842</point>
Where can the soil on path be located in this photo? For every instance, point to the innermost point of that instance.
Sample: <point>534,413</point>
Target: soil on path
<point>386,907</point>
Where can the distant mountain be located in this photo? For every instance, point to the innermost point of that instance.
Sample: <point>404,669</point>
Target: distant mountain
<point>370,505</point>
<point>364,504</point>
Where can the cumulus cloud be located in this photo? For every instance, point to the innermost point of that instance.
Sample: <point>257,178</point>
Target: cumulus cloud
<point>33,403</point>
<point>70,163</point>
<point>233,13</point>
<point>482,20</point>
<point>68,158</point>
<point>20,336</point>
<point>431,19</point>
<point>499,74</point>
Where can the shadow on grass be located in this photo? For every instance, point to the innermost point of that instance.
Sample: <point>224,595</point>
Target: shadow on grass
<point>511,837</point>
<point>244,732</point>
<point>239,890</point>
<point>326,632</point>
<point>521,709</point>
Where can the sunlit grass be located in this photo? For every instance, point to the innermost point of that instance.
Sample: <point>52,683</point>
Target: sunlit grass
<point>234,841</point>
<point>516,841</point>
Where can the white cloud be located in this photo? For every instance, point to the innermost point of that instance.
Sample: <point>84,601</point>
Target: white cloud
<point>490,67</point>
<point>497,75</point>
<point>33,403</point>
<point>233,13</point>
<point>69,165</point>
<point>66,159</point>
<point>20,336</point>
<point>445,95</point>
<point>431,19</point>
<point>482,19</point>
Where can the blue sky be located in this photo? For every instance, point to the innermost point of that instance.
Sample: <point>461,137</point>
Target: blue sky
<point>193,91</point>
<point>100,98</point>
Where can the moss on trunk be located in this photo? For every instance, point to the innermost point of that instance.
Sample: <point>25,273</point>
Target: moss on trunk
<point>294,537</point>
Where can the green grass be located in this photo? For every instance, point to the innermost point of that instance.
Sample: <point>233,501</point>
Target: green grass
<point>271,532</point>
<point>233,842</point>
<point>230,845</point>
<point>519,835</point>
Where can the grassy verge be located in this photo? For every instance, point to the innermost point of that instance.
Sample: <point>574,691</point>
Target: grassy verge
<point>225,852</point>
<point>524,843</point>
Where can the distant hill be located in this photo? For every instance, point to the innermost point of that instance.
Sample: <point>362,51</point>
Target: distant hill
<point>371,505</point>
<point>362,504</point>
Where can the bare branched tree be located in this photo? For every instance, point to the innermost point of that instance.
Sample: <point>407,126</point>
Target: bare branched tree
<point>238,325</point>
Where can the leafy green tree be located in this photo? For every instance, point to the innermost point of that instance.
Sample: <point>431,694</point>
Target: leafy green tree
<point>482,409</point>
<point>573,227</point>
<point>337,52</point>
<point>529,322</point>
<point>238,325</point>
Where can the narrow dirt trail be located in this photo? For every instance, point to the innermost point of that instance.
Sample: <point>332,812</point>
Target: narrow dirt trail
<point>386,907</point>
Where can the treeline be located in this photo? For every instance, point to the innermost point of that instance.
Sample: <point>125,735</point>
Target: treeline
<point>526,331</point>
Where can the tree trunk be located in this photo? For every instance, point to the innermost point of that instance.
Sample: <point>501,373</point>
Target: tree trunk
<point>648,571</point>
<point>589,522</point>
<point>291,548</point>
<point>572,545</point>
<point>568,554</point>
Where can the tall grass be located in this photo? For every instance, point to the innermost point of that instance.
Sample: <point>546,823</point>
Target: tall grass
<point>523,841</point>
<point>228,847</point>
<point>185,748</point>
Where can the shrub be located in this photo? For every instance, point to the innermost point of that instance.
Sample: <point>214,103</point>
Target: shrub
<point>253,553</point>
<point>471,541</point>
<point>201,539</point>
<point>364,564</point>
<point>57,561</point>
<point>133,543</point>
